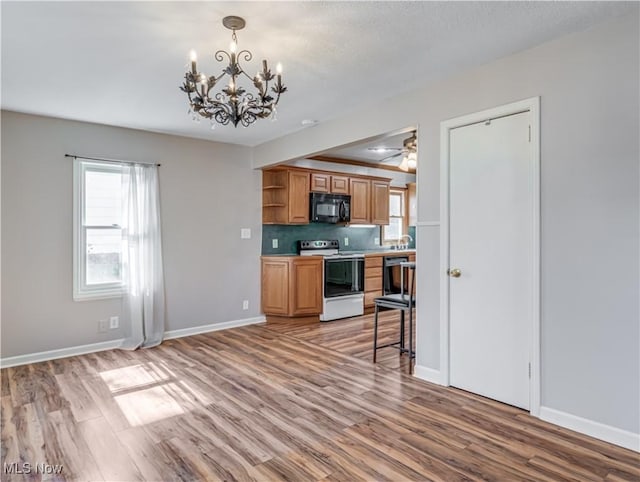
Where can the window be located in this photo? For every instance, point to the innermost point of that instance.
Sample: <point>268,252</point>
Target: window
<point>98,245</point>
<point>397,226</point>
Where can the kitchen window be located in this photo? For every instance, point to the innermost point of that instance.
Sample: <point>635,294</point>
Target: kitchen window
<point>398,221</point>
<point>98,229</point>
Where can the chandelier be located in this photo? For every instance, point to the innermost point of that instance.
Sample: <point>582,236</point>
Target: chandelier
<point>233,103</point>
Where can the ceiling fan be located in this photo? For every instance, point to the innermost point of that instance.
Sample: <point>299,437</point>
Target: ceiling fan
<point>408,153</point>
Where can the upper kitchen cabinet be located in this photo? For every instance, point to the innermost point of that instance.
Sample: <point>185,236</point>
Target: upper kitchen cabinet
<point>379,202</point>
<point>339,184</point>
<point>320,182</point>
<point>369,201</point>
<point>325,182</point>
<point>360,190</point>
<point>298,197</point>
<point>285,196</point>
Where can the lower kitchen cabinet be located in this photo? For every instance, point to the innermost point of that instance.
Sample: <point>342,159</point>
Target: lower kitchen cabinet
<point>374,276</point>
<point>372,279</point>
<point>291,285</point>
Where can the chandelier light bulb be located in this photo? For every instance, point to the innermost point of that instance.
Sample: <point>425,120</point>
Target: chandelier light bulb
<point>193,56</point>
<point>278,68</point>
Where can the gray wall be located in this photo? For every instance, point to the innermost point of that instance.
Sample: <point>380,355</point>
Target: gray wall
<point>208,192</point>
<point>588,84</point>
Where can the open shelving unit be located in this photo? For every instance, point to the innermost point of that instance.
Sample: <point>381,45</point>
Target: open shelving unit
<point>275,194</point>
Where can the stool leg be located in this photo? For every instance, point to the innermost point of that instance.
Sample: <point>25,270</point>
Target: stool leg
<point>410,339</point>
<point>401,331</point>
<point>375,334</point>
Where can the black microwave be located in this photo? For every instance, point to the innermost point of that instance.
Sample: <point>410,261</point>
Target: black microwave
<point>330,208</point>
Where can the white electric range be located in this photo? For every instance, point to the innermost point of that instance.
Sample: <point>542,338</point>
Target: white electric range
<point>342,278</point>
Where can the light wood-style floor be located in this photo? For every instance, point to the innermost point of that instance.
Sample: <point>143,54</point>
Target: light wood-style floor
<point>258,403</point>
<point>352,336</point>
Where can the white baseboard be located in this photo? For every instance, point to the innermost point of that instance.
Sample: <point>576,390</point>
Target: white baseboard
<point>428,374</point>
<point>616,436</point>
<point>197,330</point>
<point>13,361</point>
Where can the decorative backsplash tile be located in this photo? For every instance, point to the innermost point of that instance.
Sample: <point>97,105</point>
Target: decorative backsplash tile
<point>360,238</point>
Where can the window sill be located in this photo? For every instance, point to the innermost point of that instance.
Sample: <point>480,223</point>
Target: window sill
<point>99,295</point>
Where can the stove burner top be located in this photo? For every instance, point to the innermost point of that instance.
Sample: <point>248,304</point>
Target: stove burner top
<point>318,247</point>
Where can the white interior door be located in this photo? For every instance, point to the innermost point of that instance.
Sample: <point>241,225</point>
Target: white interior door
<point>491,238</point>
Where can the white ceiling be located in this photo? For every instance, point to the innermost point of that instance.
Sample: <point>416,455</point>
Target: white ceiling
<point>374,151</point>
<point>121,63</point>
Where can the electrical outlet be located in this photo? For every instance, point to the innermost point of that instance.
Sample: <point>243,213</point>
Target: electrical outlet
<point>114,322</point>
<point>245,233</point>
<point>245,305</point>
<point>274,243</point>
<point>103,326</point>
<point>376,241</point>
<point>346,241</point>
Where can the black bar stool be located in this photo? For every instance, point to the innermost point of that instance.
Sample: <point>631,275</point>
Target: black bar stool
<point>398,301</point>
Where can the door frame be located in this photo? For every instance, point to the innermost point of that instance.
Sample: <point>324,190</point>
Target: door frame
<point>532,105</point>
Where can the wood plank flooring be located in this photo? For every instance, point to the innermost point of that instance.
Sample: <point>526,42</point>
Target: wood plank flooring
<point>352,336</point>
<point>264,403</point>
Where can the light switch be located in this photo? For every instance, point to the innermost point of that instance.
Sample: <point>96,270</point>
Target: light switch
<point>274,243</point>
<point>245,233</point>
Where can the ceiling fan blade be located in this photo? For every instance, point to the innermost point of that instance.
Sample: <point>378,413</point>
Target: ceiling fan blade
<point>388,158</point>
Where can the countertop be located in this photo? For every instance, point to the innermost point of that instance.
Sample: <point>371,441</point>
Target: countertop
<point>366,252</point>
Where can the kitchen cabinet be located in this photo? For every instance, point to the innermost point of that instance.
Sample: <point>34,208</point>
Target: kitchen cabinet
<point>379,202</point>
<point>306,286</point>
<point>339,184</point>
<point>324,182</point>
<point>291,285</point>
<point>320,182</point>
<point>298,197</point>
<point>372,279</point>
<point>360,190</point>
<point>373,275</point>
<point>275,286</point>
<point>285,197</point>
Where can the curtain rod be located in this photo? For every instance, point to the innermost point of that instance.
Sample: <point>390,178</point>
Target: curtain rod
<point>111,160</point>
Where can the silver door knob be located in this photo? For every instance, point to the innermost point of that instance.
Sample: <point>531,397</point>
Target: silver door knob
<point>454,272</point>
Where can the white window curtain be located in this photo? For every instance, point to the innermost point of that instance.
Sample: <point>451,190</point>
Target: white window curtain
<point>143,300</point>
